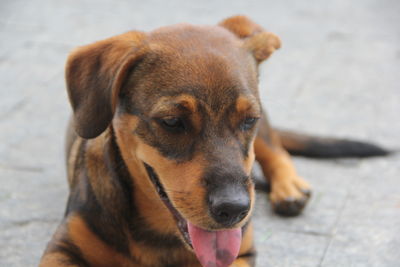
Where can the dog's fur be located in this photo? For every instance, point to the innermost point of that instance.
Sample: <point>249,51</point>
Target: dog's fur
<point>180,103</point>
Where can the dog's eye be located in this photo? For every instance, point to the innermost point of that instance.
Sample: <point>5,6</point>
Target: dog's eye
<point>173,124</point>
<point>248,123</point>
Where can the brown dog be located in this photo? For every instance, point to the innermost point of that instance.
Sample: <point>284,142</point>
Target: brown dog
<point>166,135</point>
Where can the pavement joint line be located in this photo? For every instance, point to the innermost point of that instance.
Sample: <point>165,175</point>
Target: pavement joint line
<point>17,224</point>
<point>308,232</point>
<point>21,168</point>
<point>334,229</point>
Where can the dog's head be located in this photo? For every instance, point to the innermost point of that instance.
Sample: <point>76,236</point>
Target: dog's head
<point>183,101</point>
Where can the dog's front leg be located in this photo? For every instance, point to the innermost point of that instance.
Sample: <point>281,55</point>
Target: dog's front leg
<point>289,192</point>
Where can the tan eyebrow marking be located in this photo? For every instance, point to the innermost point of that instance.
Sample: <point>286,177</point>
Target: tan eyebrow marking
<point>167,104</point>
<point>247,104</point>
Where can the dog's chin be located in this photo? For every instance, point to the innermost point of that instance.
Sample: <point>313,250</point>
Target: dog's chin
<point>181,222</point>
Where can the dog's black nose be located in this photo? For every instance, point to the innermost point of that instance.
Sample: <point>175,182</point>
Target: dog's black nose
<point>229,206</point>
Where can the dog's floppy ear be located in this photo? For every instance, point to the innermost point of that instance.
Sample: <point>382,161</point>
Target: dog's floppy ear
<point>260,42</point>
<point>94,76</point>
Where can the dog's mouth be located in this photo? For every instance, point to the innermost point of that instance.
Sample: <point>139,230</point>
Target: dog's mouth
<point>180,221</point>
<point>218,248</point>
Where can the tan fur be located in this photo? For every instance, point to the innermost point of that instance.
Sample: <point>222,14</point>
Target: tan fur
<point>71,160</point>
<point>95,250</point>
<point>247,104</point>
<point>247,243</point>
<point>257,40</point>
<point>263,45</point>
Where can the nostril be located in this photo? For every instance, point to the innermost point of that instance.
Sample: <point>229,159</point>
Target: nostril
<point>228,212</point>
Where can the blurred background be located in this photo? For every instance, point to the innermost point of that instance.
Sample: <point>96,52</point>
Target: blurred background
<point>336,74</point>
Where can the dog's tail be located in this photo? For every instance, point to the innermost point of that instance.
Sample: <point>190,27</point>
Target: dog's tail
<point>325,147</point>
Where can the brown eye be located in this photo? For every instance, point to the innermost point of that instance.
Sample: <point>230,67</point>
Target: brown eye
<point>172,124</point>
<point>248,123</point>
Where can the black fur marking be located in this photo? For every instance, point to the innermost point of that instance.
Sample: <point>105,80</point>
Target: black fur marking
<point>142,233</point>
<point>72,252</point>
<point>179,147</point>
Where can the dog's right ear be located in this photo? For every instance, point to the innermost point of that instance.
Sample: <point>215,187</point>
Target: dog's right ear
<point>94,76</point>
<point>258,41</point>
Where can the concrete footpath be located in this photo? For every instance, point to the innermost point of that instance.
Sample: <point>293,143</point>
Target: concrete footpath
<point>336,74</point>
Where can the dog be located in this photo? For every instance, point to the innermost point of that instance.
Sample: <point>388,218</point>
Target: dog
<point>166,127</point>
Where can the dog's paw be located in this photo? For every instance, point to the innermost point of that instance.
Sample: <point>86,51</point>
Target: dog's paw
<point>289,195</point>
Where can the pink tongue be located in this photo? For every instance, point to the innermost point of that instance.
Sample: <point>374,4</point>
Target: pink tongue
<point>215,248</point>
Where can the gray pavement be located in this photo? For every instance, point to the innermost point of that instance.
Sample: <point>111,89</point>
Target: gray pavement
<point>336,74</point>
